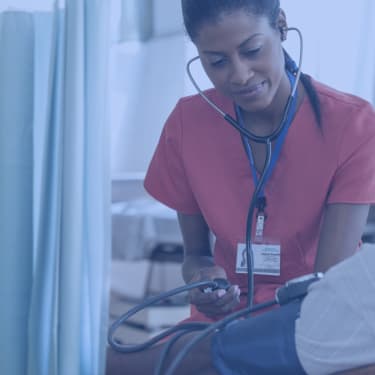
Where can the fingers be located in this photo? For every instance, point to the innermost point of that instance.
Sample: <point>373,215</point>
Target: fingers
<point>228,299</point>
<point>217,302</point>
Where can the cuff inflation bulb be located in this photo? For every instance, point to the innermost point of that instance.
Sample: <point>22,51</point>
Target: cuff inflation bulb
<point>296,288</point>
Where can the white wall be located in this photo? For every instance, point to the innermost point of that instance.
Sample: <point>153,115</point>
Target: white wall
<point>146,82</point>
<point>339,41</point>
<point>167,18</point>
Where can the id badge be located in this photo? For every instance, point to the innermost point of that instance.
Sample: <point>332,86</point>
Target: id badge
<point>266,259</point>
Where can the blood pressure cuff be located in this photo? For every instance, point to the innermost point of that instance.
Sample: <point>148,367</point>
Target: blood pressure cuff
<point>260,345</point>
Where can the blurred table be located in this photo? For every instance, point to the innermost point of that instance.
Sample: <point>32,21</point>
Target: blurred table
<point>140,225</point>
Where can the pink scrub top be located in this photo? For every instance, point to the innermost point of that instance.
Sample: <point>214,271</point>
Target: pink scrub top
<point>200,167</point>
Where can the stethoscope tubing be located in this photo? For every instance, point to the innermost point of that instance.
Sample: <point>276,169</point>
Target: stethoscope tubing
<point>149,302</point>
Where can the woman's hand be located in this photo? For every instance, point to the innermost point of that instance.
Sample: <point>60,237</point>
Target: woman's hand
<point>199,266</point>
<point>217,302</point>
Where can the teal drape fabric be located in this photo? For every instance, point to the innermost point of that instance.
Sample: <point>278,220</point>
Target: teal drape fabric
<point>54,190</point>
<point>16,186</point>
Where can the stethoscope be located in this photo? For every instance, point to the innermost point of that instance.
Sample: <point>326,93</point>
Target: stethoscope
<point>281,295</point>
<point>267,140</point>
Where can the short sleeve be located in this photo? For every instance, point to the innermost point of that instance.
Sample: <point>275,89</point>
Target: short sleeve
<point>354,179</point>
<point>166,179</point>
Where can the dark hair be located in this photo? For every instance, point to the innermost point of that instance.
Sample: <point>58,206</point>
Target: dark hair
<point>197,12</point>
<point>307,84</point>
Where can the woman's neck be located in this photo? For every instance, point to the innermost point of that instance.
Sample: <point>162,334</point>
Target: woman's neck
<point>264,122</point>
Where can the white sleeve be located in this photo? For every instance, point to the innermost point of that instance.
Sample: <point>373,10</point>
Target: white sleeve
<point>336,328</point>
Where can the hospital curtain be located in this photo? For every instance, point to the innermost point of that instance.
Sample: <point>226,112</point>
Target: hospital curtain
<point>54,190</point>
<point>16,187</point>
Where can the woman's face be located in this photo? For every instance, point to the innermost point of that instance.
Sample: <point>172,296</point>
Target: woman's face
<point>242,55</point>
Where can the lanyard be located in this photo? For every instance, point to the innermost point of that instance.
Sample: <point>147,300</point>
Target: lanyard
<point>261,201</point>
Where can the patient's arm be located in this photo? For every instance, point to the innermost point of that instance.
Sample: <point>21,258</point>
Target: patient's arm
<point>198,360</point>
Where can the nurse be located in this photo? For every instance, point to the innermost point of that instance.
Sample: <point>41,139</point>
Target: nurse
<point>316,199</point>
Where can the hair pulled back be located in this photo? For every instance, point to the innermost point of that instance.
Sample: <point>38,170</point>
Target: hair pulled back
<point>198,12</point>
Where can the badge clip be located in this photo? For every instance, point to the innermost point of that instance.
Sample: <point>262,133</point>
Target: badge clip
<point>260,219</point>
